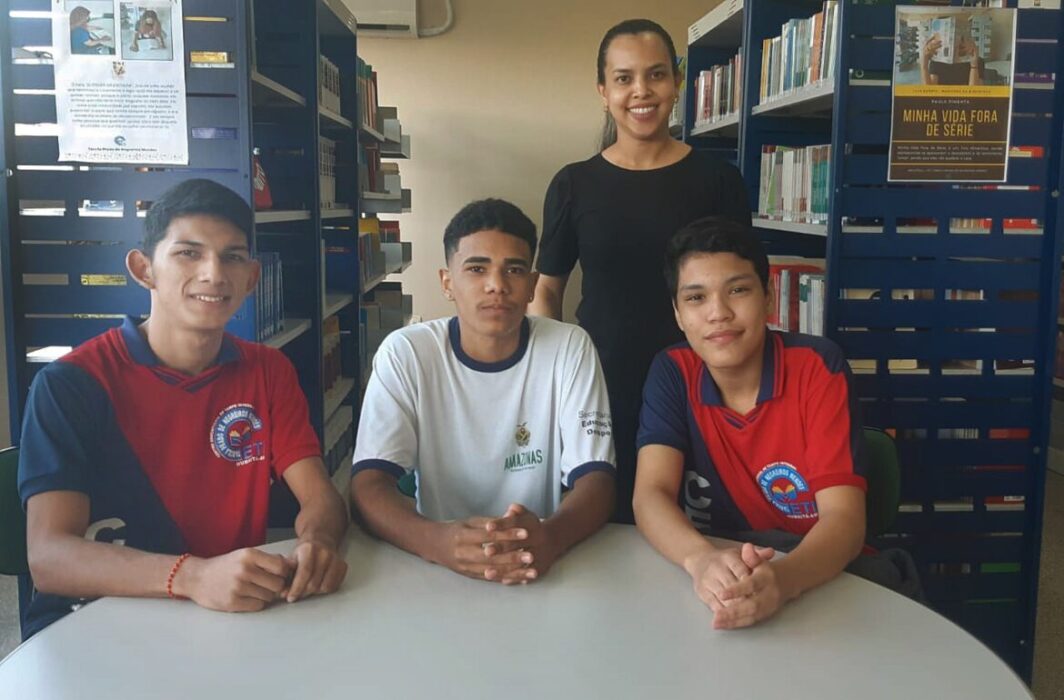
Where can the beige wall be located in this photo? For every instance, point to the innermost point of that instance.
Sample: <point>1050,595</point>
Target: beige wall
<point>496,106</point>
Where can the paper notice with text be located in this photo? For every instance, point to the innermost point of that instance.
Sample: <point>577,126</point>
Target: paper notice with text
<point>952,94</point>
<point>120,81</point>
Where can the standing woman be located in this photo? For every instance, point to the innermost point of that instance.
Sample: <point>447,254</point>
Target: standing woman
<point>614,213</point>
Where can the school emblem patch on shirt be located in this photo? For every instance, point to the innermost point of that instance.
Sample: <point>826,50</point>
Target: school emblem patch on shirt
<point>522,436</point>
<point>234,435</point>
<point>785,488</point>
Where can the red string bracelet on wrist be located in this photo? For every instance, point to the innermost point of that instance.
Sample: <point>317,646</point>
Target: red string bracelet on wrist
<point>173,572</point>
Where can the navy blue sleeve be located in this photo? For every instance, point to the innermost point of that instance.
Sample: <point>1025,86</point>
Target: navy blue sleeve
<point>61,431</point>
<point>663,418</point>
<point>559,245</point>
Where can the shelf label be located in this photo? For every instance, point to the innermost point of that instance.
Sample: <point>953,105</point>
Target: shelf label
<point>103,281</point>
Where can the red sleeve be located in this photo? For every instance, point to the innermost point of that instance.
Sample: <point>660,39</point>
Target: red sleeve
<point>831,419</point>
<point>292,436</point>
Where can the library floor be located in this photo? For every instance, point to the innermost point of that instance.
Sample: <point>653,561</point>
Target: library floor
<point>1049,643</point>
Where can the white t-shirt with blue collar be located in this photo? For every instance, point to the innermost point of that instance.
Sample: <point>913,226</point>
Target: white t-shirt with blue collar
<point>480,436</point>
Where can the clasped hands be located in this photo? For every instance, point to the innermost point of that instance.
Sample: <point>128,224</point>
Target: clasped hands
<point>741,585</point>
<point>513,548</point>
<point>249,579</point>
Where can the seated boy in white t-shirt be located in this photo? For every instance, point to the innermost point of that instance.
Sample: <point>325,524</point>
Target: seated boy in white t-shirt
<point>494,412</point>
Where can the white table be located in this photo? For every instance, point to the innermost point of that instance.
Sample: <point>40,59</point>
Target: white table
<point>611,620</point>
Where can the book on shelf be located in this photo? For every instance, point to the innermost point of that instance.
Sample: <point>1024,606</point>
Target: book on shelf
<point>803,53</point>
<point>795,183</point>
<point>326,172</point>
<point>367,91</point>
<point>269,297</point>
<point>718,91</point>
<point>369,166</point>
<point>1027,152</point>
<point>328,84</point>
<point>811,293</point>
<point>785,287</point>
<point>370,256</point>
<point>390,231</point>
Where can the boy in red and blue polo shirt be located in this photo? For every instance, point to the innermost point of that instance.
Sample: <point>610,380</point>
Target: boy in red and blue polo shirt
<point>746,429</point>
<point>164,436</point>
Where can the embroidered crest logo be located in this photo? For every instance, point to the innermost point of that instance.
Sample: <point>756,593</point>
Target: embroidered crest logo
<point>234,435</point>
<point>522,436</point>
<point>785,488</point>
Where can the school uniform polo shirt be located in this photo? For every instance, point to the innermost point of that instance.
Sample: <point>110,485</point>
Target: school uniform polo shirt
<point>762,470</point>
<point>481,435</point>
<point>170,463</point>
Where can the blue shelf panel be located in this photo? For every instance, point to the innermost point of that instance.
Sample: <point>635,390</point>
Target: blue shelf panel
<point>909,385</point>
<point>938,345</point>
<point>929,314</point>
<point>124,184</point>
<point>988,414</point>
<point>1035,57</point>
<point>955,548</point>
<point>870,170</point>
<point>963,587</point>
<point>1035,24</point>
<point>962,523</point>
<point>34,76</point>
<point>855,245</point>
<point>905,273</point>
<point>939,201</point>
<point>41,332</point>
<point>32,31</point>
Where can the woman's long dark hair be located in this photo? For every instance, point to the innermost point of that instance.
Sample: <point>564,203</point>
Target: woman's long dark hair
<point>628,26</point>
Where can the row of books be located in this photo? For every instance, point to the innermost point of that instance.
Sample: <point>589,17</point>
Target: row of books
<point>795,183</point>
<point>369,165</point>
<point>367,94</point>
<point>326,172</point>
<point>328,84</point>
<point>718,91</point>
<point>375,175</point>
<point>803,54</point>
<point>797,286</point>
<point>269,297</point>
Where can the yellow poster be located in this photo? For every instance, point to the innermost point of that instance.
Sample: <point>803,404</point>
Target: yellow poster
<point>952,94</point>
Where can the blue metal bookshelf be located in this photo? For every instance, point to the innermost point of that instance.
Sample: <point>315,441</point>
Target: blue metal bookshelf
<point>962,329</point>
<point>266,96</point>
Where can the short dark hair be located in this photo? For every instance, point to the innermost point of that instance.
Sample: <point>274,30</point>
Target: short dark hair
<point>191,197</point>
<point>489,215</point>
<point>633,26</point>
<point>714,234</point>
